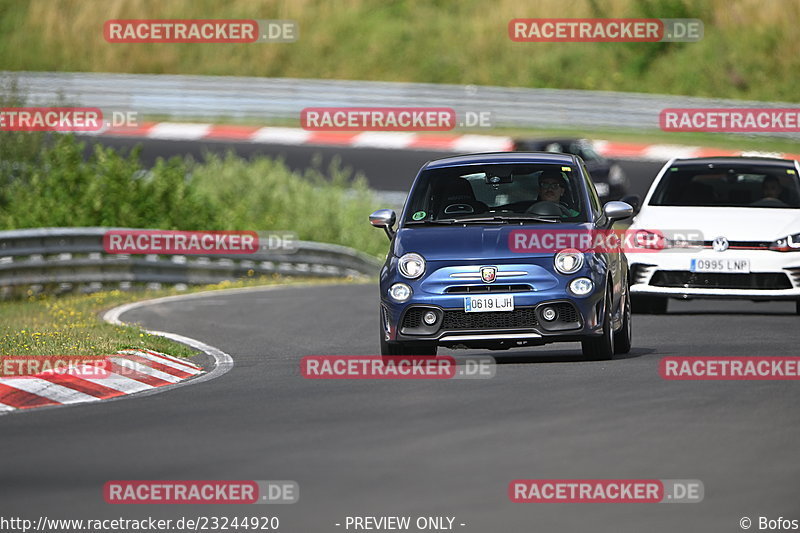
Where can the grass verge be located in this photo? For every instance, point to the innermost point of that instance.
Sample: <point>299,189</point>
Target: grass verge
<point>748,50</point>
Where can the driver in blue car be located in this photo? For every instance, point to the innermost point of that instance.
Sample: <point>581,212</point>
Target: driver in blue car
<point>551,189</point>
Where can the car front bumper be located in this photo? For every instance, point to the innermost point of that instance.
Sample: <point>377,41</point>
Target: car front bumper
<point>576,319</point>
<point>773,275</point>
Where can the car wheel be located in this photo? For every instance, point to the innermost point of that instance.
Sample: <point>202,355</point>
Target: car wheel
<point>622,338</point>
<point>649,305</point>
<point>602,348</point>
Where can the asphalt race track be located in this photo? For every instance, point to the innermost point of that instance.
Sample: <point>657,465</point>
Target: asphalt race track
<point>438,448</point>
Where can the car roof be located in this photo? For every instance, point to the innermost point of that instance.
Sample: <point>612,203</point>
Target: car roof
<point>735,160</point>
<point>502,157</point>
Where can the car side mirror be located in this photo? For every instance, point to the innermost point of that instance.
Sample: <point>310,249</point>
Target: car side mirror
<point>617,211</point>
<point>384,218</point>
<point>634,200</point>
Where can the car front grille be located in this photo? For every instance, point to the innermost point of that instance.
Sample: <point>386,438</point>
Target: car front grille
<point>518,318</point>
<point>482,289</point>
<point>741,245</point>
<point>566,312</point>
<point>710,280</point>
<point>413,318</point>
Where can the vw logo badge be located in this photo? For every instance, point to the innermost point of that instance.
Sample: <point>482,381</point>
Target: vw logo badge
<point>488,274</point>
<point>720,244</point>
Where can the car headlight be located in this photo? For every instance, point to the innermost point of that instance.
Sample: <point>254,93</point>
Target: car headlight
<point>400,292</point>
<point>790,243</point>
<point>581,286</point>
<point>411,265</point>
<point>568,261</point>
<point>650,240</point>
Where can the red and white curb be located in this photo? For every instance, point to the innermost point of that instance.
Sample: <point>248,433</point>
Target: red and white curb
<point>132,371</point>
<point>158,372</point>
<point>665,152</point>
<point>461,143</point>
<point>296,136</point>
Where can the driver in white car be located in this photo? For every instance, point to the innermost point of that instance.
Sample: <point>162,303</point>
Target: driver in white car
<point>771,188</point>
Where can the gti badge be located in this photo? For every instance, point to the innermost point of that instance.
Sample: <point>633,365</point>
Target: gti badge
<point>720,244</point>
<point>488,274</point>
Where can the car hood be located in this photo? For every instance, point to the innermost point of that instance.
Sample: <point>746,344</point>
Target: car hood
<point>733,223</point>
<point>465,243</point>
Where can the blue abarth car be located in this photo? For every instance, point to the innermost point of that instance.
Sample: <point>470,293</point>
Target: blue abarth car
<point>476,259</point>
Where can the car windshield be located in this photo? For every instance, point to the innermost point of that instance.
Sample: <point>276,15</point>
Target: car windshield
<point>498,193</point>
<point>729,186</point>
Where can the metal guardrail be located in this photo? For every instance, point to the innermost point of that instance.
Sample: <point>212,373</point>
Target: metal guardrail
<point>69,259</point>
<point>221,97</point>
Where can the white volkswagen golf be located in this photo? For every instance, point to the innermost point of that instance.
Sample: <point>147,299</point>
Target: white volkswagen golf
<point>731,228</point>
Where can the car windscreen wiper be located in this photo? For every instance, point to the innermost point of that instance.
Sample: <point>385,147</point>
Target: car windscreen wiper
<point>530,218</point>
<point>499,219</point>
<point>505,219</point>
<point>446,221</point>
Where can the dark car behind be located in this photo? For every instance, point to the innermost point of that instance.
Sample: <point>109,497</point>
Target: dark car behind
<point>609,178</point>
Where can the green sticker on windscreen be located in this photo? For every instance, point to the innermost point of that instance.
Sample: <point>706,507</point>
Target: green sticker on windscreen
<point>789,171</point>
<point>419,215</point>
<point>566,169</point>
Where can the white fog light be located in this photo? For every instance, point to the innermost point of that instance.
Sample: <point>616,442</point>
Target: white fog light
<point>411,265</point>
<point>549,314</point>
<point>581,286</point>
<point>400,292</point>
<point>568,261</point>
<point>429,318</point>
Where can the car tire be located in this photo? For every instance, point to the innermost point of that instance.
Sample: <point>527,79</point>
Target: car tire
<point>602,348</point>
<point>649,305</point>
<point>797,307</point>
<point>622,338</point>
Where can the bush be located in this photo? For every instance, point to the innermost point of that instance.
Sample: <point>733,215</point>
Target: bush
<point>264,194</point>
<point>56,186</point>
